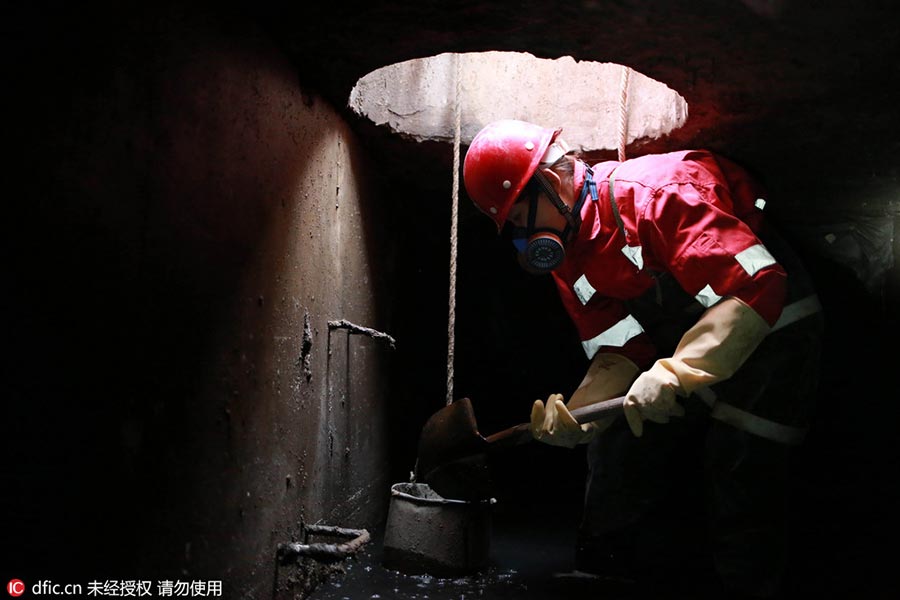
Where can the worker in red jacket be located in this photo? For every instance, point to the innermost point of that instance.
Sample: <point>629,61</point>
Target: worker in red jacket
<point>687,303</point>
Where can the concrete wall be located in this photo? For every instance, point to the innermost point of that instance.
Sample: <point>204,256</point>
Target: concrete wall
<point>187,219</point>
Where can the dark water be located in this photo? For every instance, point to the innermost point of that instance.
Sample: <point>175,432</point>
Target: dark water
<point>532,556</point>
<point>540,490</point>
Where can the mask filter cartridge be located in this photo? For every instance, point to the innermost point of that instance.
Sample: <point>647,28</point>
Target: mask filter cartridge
<point>545,252</point>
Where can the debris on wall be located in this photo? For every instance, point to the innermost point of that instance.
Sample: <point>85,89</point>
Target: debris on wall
<point>306,348</point>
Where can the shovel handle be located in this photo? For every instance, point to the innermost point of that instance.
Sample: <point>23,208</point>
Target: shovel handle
<point>598,410</point>
<point>519,434</point>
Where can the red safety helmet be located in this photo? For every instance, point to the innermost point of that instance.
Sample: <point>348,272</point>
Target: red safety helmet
<point>500,161</point>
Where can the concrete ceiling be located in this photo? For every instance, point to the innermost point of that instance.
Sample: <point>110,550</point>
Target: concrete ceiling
<point>791,89</point>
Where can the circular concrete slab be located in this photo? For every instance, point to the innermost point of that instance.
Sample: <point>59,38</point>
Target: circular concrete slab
<point>417,98</point>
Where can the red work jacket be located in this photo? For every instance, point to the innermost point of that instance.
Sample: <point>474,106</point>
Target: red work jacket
<point>690,214</point>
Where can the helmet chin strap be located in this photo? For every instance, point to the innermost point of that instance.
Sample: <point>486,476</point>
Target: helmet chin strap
<point>573,218</point>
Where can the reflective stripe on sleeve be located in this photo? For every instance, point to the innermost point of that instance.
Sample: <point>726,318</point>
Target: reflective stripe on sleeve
<point>755,258</point>
<point>583,289</point>
<point>617,335</point>
<point>707,296</point>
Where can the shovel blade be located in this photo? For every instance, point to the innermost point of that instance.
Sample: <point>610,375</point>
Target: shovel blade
<point>467,478</point>
<point>451,452</point>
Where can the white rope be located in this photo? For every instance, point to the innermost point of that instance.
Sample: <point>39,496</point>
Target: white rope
<point>623,113</point>
<point>454,217</point>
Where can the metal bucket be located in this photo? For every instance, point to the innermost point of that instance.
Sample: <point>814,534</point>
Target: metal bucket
<point>427,533</point>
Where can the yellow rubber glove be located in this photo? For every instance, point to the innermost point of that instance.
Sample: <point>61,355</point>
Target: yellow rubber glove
<point>607,377</point>
<point>555,425</point>
<point>710,351</point>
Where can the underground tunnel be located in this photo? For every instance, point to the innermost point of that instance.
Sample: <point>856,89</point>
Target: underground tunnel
<point>227,290</point>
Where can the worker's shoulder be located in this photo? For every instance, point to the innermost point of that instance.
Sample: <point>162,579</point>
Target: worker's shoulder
<point>682,166</point>
<point>676,160</point>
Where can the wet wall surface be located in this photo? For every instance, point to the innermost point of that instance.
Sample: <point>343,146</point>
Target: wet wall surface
<point>188,221</point>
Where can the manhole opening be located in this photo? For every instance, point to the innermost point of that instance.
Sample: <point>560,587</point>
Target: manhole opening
<point>417,98</point>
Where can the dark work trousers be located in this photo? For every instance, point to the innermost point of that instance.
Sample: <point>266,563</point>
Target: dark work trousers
<point>697,489</point>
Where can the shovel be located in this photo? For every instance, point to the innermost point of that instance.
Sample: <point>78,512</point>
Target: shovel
<point>452,453</point>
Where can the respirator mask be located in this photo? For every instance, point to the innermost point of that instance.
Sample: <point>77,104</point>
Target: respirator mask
<point>542,250</point>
